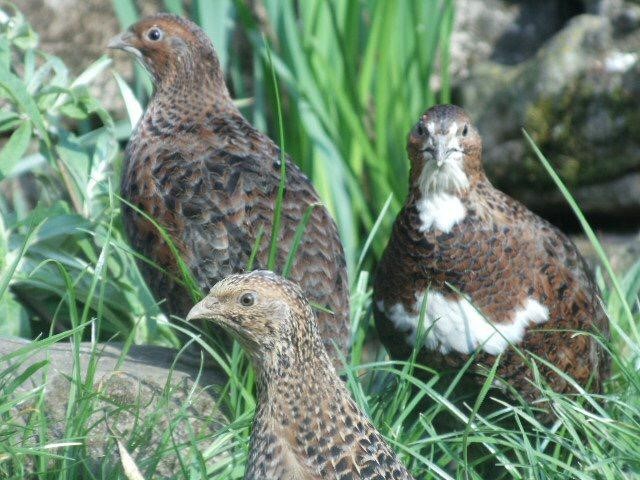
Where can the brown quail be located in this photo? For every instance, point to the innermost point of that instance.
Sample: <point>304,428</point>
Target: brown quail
<point>306,426</point>
<point>494,274</point>
<point>203,173</point>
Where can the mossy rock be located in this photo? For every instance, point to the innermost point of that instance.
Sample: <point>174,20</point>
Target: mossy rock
<point>577,98</point>
<point>148,398</point>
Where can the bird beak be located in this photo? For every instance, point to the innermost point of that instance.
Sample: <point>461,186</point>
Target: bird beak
<point>203,310</point>
<point>122,41</point>
<point>442,150</point>
<point>445,144</point>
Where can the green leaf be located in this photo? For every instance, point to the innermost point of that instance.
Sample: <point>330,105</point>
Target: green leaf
<point>60,225</point>
<point>91,105</point>
<point>174,6</point>
<point>9,269</point>
<point>131,103</point>
<point>126,12</point>
<point>5,52</point>
<point>73,110</point>
<point>277,211</point>
<point>17,90</point>
<point>9,120</point>
<point>76,159</point>
<point>25,375</point>
<point>36,78</point>
<point>14,149</point>
<point>15,320</point>
<point>297,239</point>
<point>4,244</point>
<point>91,72</point>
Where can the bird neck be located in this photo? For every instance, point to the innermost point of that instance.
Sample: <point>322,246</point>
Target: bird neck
<point>193,90</point>
<point>429,184</point>
<point>294,401</point>
<point>299,362</point>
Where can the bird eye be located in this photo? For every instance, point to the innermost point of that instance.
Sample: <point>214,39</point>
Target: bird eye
<point>154,34</point>
<point>247,299</point>
<point>420,128</point>
<point>465,130</point>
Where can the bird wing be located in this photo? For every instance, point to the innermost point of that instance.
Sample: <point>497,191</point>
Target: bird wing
<point>227,196</point>
<point>214,189</point>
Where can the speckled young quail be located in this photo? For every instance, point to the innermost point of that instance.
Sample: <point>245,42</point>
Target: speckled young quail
<point>197,167</point>
<point>306,426</point>
<point>494,273</point>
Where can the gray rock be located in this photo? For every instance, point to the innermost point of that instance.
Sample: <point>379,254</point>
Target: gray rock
<point>578,98</point>
<point>511,31</point>
<point>621,196</point>
<point>622,250</point>
<point>505,31</point>
<point>152,401</point>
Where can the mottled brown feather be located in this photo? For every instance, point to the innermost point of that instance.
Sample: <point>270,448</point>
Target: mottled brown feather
<point>197,167</point>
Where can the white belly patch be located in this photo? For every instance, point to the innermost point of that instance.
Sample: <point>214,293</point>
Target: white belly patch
<point>441,211</point>
<point>456,325</point>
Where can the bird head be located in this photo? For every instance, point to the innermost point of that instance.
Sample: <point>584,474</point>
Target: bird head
<point>444,148</point>
<point>170,47</point>
<point>267,314</point>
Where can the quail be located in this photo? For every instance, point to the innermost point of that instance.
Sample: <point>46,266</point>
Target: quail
<point>200,170</point>
<point>306,426</point>
<point>493,277</point>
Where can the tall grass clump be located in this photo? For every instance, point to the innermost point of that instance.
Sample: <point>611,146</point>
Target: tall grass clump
<point>338,85</point>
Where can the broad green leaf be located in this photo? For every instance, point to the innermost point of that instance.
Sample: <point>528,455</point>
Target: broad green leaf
<point>34,80</point>
<point>174,6</point>
<point>91,72</point>
<point>17,90</point>
<point>73,110</point>
<point>14,149</point>
<point>5,52</point>
<point>15,320</point>
<point>60,225</point>
<point>131,103</point>
<point>10,267</point>
<point>91,105</point>
<point>126,11</point>
<point>9,120</point>
<point>4,243</point>
<point>75,157</point>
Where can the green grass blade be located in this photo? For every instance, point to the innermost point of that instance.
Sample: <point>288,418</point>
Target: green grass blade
<point>277,211</point>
